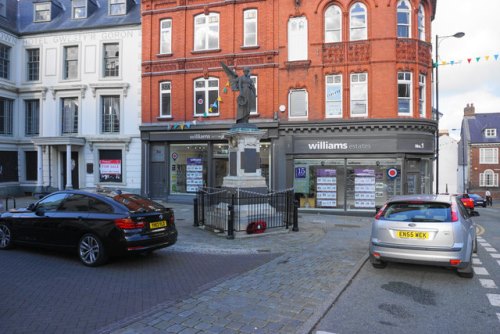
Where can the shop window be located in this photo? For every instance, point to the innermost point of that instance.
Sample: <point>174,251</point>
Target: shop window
<point>358,22</point>
<point>297,39</point>
<point>333,24</point>
<point>404,18</point>
<point>319,183</point>
<point>404,94</point>
<point>110,166</point>
<point>333,96</point>
<point>188,168</point>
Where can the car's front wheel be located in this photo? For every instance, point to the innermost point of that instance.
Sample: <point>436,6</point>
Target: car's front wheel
<point>5,237</point>
<point>91,251</point>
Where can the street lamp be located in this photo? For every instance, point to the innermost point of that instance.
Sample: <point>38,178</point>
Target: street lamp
<point>456,35</point>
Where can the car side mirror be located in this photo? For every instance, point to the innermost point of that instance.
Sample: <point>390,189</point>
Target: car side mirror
<point>40,212</point>
<point>31,207</point>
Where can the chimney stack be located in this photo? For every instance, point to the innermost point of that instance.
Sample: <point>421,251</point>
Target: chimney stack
<point>469,110</point>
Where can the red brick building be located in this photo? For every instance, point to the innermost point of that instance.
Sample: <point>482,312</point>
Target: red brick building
<point>343,93</point>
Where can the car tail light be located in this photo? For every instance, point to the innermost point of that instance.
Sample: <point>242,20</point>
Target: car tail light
<point>128,224</point>
<point>376,255</point>
<point>454,212</point>
<point>380,212</point>
<point>455,262</point>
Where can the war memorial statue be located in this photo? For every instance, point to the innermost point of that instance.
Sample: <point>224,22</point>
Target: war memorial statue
<point>247,97</point>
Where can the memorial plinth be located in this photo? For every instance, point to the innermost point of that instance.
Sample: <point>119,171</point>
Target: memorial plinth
<point>244,159</point>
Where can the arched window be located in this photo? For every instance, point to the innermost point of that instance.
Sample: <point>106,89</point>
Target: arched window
<point>358,22</point>
<point>333,24</point>
<point>404,19</point>
<point>421,23</point>
<point>206,32</point>
<point>488,179</point>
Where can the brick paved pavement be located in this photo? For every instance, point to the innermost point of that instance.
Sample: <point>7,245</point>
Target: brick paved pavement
<point>289,294</point>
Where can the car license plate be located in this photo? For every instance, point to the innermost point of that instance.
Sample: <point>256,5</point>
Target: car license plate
<point>161,223</point>
<point>412,235</point>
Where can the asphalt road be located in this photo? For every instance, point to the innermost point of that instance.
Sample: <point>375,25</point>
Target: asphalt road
<point>422,299</point>
<point>48,292</point>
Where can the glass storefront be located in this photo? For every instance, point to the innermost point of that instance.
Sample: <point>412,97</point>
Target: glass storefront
<point>346,184</point>
<point>188,168</point>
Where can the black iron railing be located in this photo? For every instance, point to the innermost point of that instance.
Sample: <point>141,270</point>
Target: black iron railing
<point>235,210</point>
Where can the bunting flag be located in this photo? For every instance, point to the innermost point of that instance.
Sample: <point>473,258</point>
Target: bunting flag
<point>182,126</point>
<point>219,99</point>
<point>469,60</point>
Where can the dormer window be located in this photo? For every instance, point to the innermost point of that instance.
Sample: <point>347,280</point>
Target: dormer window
<point>490,133</point>
<point>42,12</point>
<point>117,7</point>
<point>79,9</point>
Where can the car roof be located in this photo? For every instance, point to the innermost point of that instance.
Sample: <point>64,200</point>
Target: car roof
<point>422,197</point>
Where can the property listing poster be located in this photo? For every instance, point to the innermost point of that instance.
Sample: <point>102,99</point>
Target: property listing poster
<point>194,174</point>
<point>326,188</point>
<point>364,188</point>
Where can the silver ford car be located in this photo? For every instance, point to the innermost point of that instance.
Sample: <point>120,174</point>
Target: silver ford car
<point>424,229</point>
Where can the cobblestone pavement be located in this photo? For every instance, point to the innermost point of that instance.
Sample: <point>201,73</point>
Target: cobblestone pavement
<point>289,294</point>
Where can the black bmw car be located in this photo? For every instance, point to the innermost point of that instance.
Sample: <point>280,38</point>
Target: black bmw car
<point>96,225</point>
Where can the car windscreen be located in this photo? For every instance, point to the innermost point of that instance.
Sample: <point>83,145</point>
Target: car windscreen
<point>136,203</point>
<point>417,212</point>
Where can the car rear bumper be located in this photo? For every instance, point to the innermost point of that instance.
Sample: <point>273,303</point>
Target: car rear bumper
<point>432,257</point>
<point>141,243</point>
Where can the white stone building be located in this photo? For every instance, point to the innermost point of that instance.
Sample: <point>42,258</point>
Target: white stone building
<point>70,90</point>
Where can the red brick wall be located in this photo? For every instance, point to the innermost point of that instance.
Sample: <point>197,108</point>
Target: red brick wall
<point>477,168</point>
<point>381,56</point>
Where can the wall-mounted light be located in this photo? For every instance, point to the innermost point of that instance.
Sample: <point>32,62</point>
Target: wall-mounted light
<point>282,108</point>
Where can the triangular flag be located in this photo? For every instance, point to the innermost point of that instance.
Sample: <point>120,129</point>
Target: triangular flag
<point>452,62</point>
<point>188,125</point>
<point>469,59</point>
<point>496,57</point>
<point>182,126</point>
<point>227,84</point>
<point>219,99</point>
<point>210,109</point>
<point>487,58</point>
<point>443,62</point>
<point>225,90</point>
<point>477,59</point>
<point>176,126</point>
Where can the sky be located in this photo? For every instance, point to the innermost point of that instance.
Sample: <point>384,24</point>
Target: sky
<point>477,82</point>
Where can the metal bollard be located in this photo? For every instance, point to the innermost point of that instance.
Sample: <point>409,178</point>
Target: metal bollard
<point>230,223</point>
<point>295,216</point>
<point>195,215</point>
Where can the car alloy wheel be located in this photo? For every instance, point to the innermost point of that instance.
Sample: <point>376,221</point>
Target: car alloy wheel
<point>5,237</point>
<point>91,250</point>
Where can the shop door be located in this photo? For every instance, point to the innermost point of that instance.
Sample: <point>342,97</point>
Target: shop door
<point>413,183</point>
<point>74,170</point>
<point>158,185</point>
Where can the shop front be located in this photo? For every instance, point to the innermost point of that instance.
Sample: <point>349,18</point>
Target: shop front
<point>346,169</point>
<point>178,163</point>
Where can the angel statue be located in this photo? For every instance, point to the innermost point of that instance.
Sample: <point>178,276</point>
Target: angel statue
<point>246,99</point>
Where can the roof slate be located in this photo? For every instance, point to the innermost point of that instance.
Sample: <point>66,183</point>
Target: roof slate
<point>480,122</point>
<point>19,19</point>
